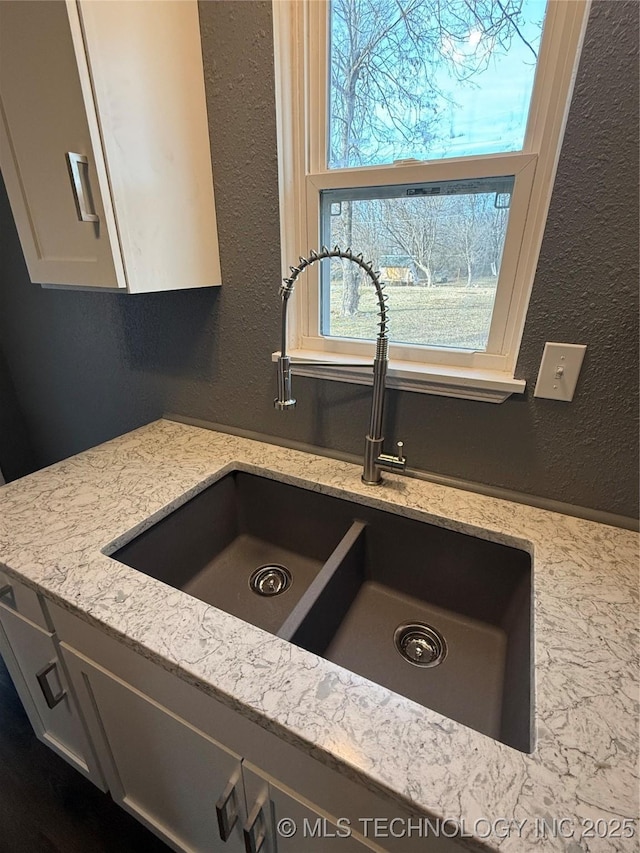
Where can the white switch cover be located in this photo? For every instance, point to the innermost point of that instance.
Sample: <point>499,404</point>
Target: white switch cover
<point>559,371</point>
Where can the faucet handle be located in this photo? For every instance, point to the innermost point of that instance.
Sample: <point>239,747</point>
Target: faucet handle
<point>390,462</point>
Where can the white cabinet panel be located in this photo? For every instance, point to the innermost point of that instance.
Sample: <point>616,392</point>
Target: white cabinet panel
<point>290,824</point>
<point>30,656</point>
<point>146,66</point>
<point>159,767</point>
<point>22,599</point>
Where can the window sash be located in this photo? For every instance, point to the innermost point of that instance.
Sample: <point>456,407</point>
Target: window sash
<point>400,192</point>
<point>303,140</point>
<point>522,166</point>
<point>559,45</point>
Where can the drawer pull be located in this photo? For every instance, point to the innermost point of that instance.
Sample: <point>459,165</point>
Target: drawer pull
<point>254,830</point>
<point>50,699</point>
<point>227,811</point>
<point>74,161</point>
<point>7,592</point>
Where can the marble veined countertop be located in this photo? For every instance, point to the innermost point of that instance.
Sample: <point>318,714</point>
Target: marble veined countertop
<point>55,523</point>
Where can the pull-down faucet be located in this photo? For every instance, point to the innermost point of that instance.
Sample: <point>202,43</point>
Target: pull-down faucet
<point>374,459</point>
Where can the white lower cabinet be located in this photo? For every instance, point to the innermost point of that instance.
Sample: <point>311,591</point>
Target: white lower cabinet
<point>192,791</point>
<point>173,777</point>
<point>31,657</point>
<point>203,776</point>
<point>195,771</point>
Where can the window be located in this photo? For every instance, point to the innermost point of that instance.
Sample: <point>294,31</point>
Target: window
<point>424,135</point>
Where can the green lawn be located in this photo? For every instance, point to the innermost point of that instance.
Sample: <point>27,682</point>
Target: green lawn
<point>448,315</point>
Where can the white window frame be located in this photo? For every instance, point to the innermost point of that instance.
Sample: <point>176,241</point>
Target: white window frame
<point>301,65</point>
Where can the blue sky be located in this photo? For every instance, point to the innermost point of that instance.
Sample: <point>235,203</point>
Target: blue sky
<point>491,112</point>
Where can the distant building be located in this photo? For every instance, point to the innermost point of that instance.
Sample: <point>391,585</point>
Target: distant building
<point>397,269</point>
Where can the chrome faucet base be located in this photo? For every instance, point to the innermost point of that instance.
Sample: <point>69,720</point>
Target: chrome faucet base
<point>375,461</point>
<point>371,471</point>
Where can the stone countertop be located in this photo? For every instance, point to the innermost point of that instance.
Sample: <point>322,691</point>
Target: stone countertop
<point>55,524</point>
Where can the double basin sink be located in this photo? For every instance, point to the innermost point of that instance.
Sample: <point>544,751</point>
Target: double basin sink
<point>438,616</point>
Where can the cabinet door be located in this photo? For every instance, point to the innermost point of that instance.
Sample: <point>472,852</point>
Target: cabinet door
<point>290,825</point>
<point>169,774</point>
<point>46,114</point>
<point>30,656</point>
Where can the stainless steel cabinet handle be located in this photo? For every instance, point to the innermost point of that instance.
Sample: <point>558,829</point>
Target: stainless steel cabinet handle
<point>50,699</point>
<point>74,161</point>
<point>254,830</point>
<point>8,593</point>
<point>227,810</point>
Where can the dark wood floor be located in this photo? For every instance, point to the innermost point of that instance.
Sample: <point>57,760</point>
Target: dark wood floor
<point>48,807</point>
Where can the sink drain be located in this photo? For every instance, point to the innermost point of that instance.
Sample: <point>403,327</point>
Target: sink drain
<point>420,644</point>
<point>270,580</point>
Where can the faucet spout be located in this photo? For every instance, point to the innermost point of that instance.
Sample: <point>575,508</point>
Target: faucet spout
<point>374,458</point>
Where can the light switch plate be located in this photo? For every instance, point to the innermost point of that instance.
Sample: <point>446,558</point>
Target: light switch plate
<point>559,371</point>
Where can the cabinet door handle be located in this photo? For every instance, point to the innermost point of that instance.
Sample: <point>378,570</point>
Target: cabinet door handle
<point>227,810</point>
<point>8,593</point>
<point>74,161</point>
<point>47,692</point>
<point>254,830</point>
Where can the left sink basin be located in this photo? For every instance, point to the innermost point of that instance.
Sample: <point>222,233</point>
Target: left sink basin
<point>246,544</point>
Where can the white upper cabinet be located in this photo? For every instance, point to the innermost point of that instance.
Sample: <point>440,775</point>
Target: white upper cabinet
<point>104,143</point>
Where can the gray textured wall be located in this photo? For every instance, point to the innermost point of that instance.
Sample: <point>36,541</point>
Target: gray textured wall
<point>16,454</point>
<point>88,366</point>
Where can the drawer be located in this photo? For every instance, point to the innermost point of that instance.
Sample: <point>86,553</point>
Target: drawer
<point>22,599</point>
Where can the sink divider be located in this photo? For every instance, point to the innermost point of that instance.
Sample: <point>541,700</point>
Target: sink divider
<point>335,582</point>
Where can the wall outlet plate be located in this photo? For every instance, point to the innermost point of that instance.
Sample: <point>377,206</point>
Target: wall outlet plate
<point>559,371</point>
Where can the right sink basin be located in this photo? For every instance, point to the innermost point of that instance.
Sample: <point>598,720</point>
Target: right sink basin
<point>435,615</point>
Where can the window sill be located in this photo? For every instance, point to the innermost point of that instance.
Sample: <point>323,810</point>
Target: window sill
<point>487,386</point>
